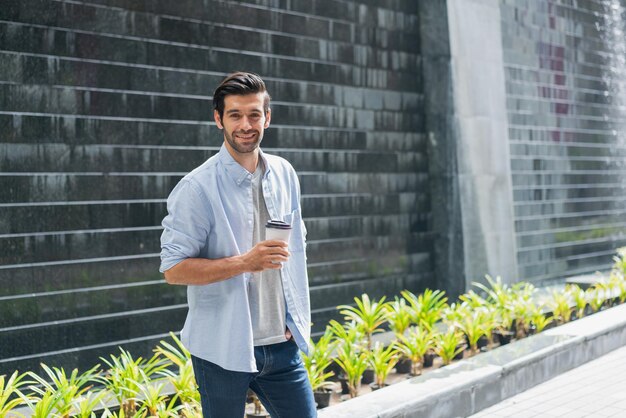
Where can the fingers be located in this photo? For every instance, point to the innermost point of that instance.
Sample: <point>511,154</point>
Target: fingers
<point>268,255</point>
<point>275,243</point>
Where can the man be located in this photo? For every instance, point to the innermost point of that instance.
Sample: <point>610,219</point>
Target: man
<point>248,298</point>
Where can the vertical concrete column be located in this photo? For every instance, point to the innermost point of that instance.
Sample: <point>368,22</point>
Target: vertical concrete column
<point>439,117</point>
<point>482,152</point>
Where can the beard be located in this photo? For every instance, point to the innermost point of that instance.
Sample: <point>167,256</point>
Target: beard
<point>243,146</point>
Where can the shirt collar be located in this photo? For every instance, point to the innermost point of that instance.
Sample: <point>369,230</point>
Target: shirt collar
<point>235,170</point>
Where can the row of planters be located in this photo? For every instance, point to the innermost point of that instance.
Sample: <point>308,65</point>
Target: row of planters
<point>426,329</point>
<point>163,386</point>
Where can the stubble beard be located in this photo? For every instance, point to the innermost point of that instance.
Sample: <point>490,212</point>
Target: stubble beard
<point>240,147</point>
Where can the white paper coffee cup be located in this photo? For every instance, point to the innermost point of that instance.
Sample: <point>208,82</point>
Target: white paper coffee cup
<point>277,230</point>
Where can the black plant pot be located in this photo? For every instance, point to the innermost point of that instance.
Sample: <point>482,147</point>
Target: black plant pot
<point>375,386</point>
<point>504,337</point>
<point>254,415</point>
<point>428,359</point>
<point>459,356</point>
<point>322,398</point>
<point>344,384</point>
<point>483,342</point>
<point>336,369</point>
<point>368,377</point>
<point>404,366</point>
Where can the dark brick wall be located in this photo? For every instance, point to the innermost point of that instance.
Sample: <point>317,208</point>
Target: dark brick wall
<point>105,104</point>
<point>565,100</point>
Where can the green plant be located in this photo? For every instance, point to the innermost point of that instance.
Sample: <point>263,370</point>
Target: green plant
<point>152,398</point>
<point>45,405</point>
<point>418,341</point>
<point>489,319</point>
<point>320,351</point>
<point>399,315</point>
<point>85,405</point>
<point>621,289</point>
<point>126,374</point>
<point>448,345</point>
<point>595,297</point>
<point>121,414</point>
<point>427,307</point>
<point>319,378</point>
<point>522,310</point>
<point>497,292</point>
<point>348,332</point>
<point>560,305</point>
<point>473,325</point>
<point>10,394</point>
<point>540,320</point>
<point>473,300</point>
<point>579,297</point>
<point>619,265</point>
<point>353,363</point>
<point>190,410</point>
<point>183,379</point>
<point>68,388</point>
<point>382,360</point>
<point>368,315</point>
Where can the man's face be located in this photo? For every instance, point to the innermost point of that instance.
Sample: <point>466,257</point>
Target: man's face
<point>243,122</point>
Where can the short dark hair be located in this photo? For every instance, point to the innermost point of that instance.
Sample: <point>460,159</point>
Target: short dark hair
<point>239,83</point>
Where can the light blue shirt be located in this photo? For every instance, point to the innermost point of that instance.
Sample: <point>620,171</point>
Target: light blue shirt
<point>210,215</point>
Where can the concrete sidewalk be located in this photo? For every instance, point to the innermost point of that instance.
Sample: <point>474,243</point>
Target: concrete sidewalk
<point>479,383</point>
<point>595,389</point>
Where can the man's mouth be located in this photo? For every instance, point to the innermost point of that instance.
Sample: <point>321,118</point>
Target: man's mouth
<point>246,137</point>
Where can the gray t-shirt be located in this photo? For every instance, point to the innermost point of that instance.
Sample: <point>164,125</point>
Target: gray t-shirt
<point>265,289</point>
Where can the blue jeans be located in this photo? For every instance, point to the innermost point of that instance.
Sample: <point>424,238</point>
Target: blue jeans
<point>281,384</point>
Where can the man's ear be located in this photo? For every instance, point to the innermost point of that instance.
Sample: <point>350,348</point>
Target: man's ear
<point>268,118</point>
<point>218,120</point>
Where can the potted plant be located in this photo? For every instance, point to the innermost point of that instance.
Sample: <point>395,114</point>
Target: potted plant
<point>560,305</point>
<point>347,336</point>
<point>448,345</point>
<point>595,297</point>
<point>427,307</point>
<point>472,324</point>
<point>368,315</point>
<point>322,388</point>
<point>10,395</point>
<point>182,378</point>
<point>382,360</point>
<point>619,266</point>
<point>317,364</point>
<point>45,405</point>
<point>399,317</point>
<point>320,352</point>
<point>68,388</point>
<point>87,404</point>
<point>126,374</point>
<point>539,320</point>
<point>522,310</point>
<point>415,345</point>
<point>580,300</point>
<point>353,362</point>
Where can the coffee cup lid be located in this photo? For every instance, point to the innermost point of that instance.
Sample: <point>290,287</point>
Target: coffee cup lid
<point>277,224</point>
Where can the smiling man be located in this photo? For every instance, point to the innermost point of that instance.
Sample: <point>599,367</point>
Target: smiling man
<point>249,311</point>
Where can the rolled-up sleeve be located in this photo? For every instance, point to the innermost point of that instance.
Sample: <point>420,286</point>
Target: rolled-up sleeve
<point>186,226</point>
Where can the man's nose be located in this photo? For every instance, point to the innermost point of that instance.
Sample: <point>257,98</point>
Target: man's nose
<point>245,123</point>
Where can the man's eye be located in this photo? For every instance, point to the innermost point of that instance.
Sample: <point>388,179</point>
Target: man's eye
<point>235,116</point>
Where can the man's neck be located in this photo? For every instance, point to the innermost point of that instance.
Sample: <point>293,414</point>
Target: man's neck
<point>249,160</point>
